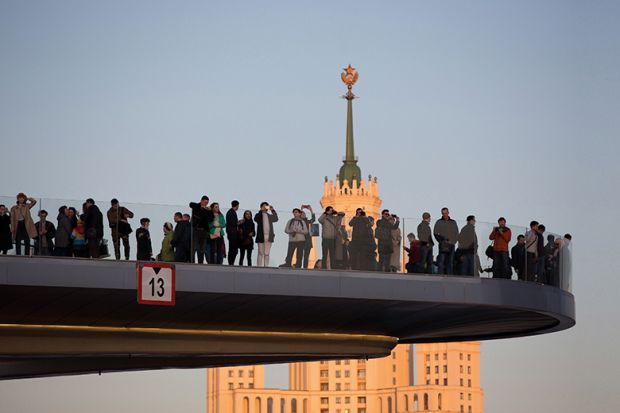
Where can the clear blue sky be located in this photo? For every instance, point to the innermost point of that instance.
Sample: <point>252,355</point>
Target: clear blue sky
<point>493,108</point>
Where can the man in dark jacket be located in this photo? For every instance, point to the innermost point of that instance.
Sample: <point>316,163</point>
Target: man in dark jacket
<point>517,257</point>
<point>308,244</point>
<point>446,233</point>
<point>63,233</point>
<point>232,232</point>
<point>181,240</point>
<point>383,233</point>
<point>44,241</point>
<point>264,232</point>
<point>93,227</point>
<point>143,237</point>
<point>362,246</point>
<point>201,217</point>
<point>425,236</point>
<point>468,247</point>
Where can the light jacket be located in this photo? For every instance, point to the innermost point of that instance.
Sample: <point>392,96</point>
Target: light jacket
<point>330,224</point>
<point>24,209</point>
<point>296,230</point>
<point>167,253</point>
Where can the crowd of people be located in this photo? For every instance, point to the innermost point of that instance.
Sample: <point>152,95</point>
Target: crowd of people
<point>370,246</point>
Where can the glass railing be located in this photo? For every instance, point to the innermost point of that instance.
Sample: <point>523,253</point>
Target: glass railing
<point>508,258</point>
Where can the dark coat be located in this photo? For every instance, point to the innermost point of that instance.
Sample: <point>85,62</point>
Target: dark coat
<point>258,218</point>
<point>231,225</point>
<point>247,230</point>
<point>182,237</point>
<point>93,223</point>
<point>383,233</point>
<point>63,232</point>
<point>51,233</point>
<point>145,249</point>
<point>201,217</point>
<point>6,239</point>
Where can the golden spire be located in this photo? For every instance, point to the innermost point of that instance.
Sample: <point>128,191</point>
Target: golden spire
<point>349,76</point>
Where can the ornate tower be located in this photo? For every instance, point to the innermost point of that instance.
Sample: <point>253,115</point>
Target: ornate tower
<point>349,191</point>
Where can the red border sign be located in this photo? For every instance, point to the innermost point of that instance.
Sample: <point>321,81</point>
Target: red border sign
<point>166,284</point>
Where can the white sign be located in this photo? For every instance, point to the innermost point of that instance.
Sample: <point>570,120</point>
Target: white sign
<point>156,283</point>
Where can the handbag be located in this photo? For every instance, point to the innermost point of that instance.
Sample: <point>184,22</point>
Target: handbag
<point>124,228</point>
<point>104,252</point>
<point>489,252</point>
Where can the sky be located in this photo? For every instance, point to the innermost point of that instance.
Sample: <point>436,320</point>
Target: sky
<point>488,107</point>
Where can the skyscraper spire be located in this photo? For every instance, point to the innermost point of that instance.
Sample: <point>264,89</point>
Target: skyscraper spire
<point>349,170</point>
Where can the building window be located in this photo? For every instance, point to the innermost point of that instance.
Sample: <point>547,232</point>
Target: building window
<point>436,369</point>
<point>294,406</point>
<point>338,400</point>
<point>324,410</point>
<point>323,362</point>
<point>230,386</point>
<point>460,356</point>
<point>393,381</point>
<point>347,362</point>
<point>468,382</point>
<point>361,400</point>
<point>361,410</point>
<point>468,369</point>
<point>436,381</point>
<point>230,373</point>
<point>324,400</point>
<point>347,373</point>
<point>393,355</point>
<point>469,357</point>
<point>436,356</point>
<point>347,386</point>
<point>425,401</point>
<point>393,368</point>
<point>347,400</point>
<point>324,387</point>
<point>445,368</point>
<point>469,396</point>
<point>270,405</point>
<point>415,402</point>
<point>361,386</point>
<point>337,362</point>
<point>250,385</point>
<point>461,382</point>
<point>428,370</point>
<point>462,409</point>
<point>251,373</point>
<point>324,373</point>
<point>445,382</point>
<point>461,369</point>
<point>445,356</point>
<point>240,373</point>
<point>461,396</point>
<point>361,374</point>
<point>428,357</point>
<point>337,373</point>
<point>240,385</point>
<point>428,381</point>
<point>468,409</point>
<point>338,387</point>
<point>439,401</point>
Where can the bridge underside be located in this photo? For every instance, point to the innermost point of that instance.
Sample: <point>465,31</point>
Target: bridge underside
<point>60,316</point>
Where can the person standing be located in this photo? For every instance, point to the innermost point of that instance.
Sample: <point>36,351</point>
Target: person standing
<point>362,244</point>
<point>297,229</point>
<point>517,257</point>
<point>415,259</point>
<point>309,222</point>
<point>232,232</point>
<point>425,236</point>
<point>217,249</point>
<point>395,260</point>
<point>143,238</point>
<point>46,231</point>
<point>167,252</point>
<point>342,248</point>
<point>22,225</point>
<point>383,234</point>
<point>531,249</point>
<point>541,273</point>
<point>118,217</point>
<point>78,235</point>
<point>265,235</point>
<point>94,227</point>
<point>330,222</point>
<point>247,231</point>
<point>201,217</point>
<point>6,240</point>
<point>501,236</point>
<point>468,247</point>
<point>181,239</point>
<point>63,233</point>
<point>446,233</point>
